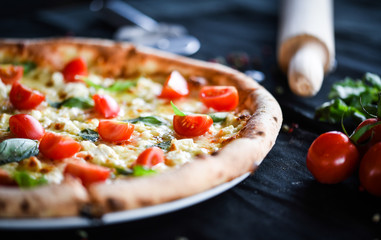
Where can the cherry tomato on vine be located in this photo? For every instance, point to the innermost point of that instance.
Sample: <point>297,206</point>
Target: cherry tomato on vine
<point>332,157</point>
<point>150,157</point>
<point>106,106</point>
<point>220,98</point>
<point>55,146</point>
<point>376,131</point>
<point>26,126</point>
<point>370,170</point>
<point>115,131</point>
<point>175,87</point>
<point>73,69</point>
<point>192,125</point>
<point>11,73</point>
<point>87,172</point>
<point>24,98</point>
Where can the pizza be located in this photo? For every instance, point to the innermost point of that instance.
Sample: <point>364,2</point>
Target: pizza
<point>90,126</point>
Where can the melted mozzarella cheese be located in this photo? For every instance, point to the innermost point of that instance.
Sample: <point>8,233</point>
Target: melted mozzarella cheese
<point>140,100</point>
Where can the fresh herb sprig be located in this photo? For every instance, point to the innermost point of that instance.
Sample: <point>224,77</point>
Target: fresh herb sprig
<point>353,99</point>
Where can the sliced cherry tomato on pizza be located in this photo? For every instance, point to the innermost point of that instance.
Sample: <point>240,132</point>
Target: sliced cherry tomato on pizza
<point>115,131</point>
<point>220,98</point>
<point>192,125</point>
<point>332,157</point>
<point>370,170</point>
<point>55,146</point>
<point>74,69</point>
<point>24,98</point>
<point>150,157</point>
<point>106,106</point>
<point>26,126</point>
<point>87,172</point>
<point>175,86</point>
<point>11,73</point>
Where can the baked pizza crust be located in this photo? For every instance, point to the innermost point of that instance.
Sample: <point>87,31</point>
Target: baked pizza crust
<point>115,59</point>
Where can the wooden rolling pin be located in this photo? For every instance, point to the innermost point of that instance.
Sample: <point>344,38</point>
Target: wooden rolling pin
<point>306,48</point>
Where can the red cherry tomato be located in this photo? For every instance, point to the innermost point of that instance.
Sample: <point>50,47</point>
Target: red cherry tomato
<point>150,157</point>
<point>376,131</point>
<point>55,146</point>
<point>114,131</point>
<point>220,98</point>
<point>370,170</point>
<point>74,68</point>
<point>175,86</point>
<point>87,172</point>
<point>26,126</point>
<point>24,98</point>
<point>192,125</point>
<point>332,157</point>
<point>10,73</point>
<point>106,106</point>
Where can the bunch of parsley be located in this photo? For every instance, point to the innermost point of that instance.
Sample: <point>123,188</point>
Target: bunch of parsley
<point>351,99</point>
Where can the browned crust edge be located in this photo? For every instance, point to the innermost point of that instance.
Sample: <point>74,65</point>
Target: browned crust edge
<point>121,59</point>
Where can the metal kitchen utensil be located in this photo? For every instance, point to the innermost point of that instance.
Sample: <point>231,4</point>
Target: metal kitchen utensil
<point>148,32</point>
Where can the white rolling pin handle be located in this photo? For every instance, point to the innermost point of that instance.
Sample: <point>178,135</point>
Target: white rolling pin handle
<point>306,69</point>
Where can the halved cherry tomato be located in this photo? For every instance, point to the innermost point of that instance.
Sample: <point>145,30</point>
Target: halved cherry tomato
<point>10,73</point>
<point>74,68</point>
<point>175,86</point>
<point>150,157</point>
<point>192,125</point>
<point>87,172</point>
<point>220,98</point>
<point>26,126</point>
<point>370,170</point>
<point>115,131</point>
<point>332,157</point>
<point>24,98</point>
<point>106,106</point>
<point>55,146</point>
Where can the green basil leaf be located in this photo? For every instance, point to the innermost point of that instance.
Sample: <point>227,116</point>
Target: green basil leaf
<point>136,171</point>
<point>139,171</point>
<point>79,102</point>
<point>177,111</point>
<point>25,180</point>
<point>28,66</point>
<point>163,145</point>
<point>17,149</point>
<point>218,116</point>
<point>149,120</point>
<point>89,134</point>
<point>117,86</point>
<point>122,171</point>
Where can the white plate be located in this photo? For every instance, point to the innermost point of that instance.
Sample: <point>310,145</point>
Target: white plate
<point>123,216</point>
